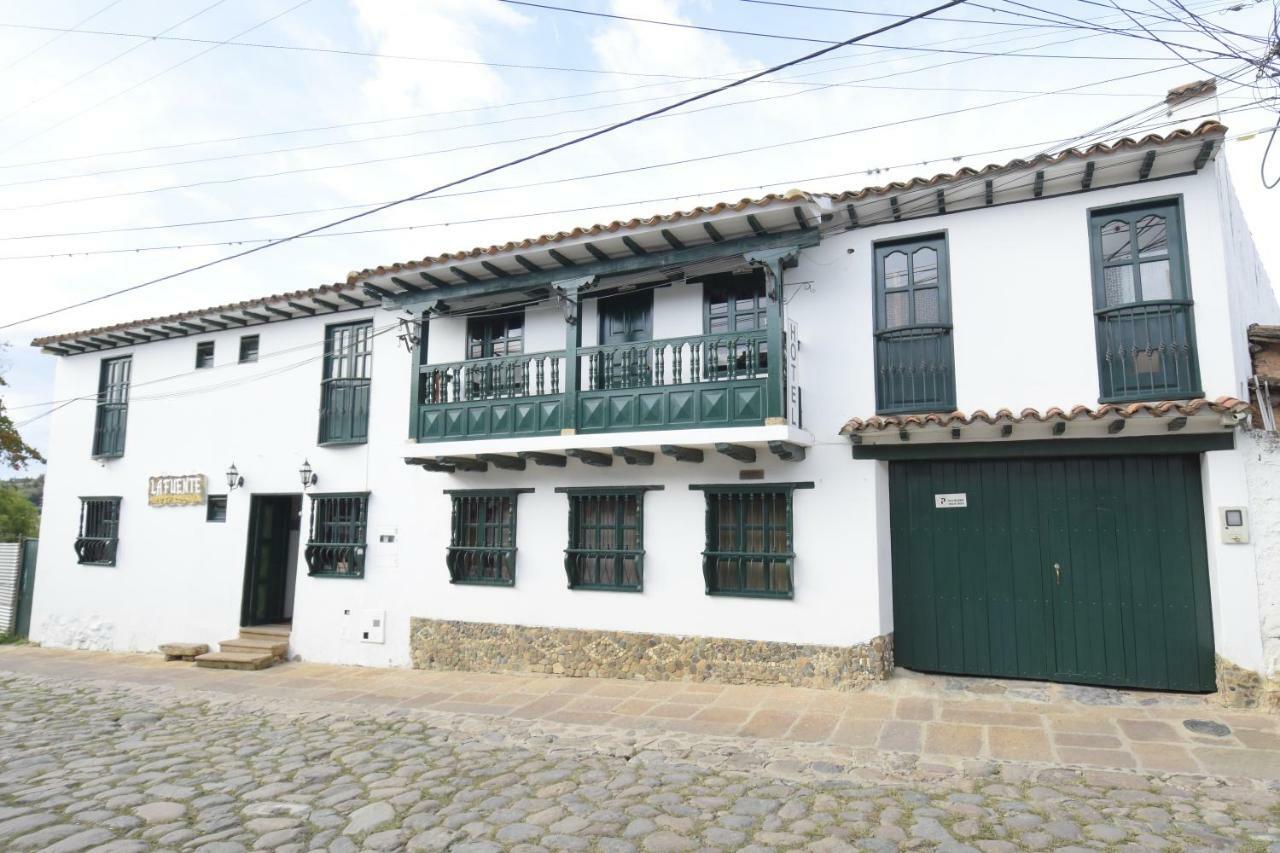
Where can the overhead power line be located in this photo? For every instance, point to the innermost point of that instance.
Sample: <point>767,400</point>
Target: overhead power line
<point>507,217</point>
<point>578,140</point>
<point>74,27</point>
<point>808,39</point>
<point>813,88</point>
<point>121,55</point>
<point>158,74</point>
<point>666,80</point>
<point>694,159</point>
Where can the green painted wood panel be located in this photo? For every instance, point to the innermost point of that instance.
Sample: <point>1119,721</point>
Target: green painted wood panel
<point>1089,570</point>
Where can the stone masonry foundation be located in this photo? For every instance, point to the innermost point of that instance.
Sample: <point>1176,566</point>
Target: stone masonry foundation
<point>485,647</point>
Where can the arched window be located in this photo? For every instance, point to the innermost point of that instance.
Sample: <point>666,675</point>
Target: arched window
<point>914,361</point>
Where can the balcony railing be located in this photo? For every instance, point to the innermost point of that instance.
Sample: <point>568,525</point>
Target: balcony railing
<point>701,380</point>
<point>915,370</point>
<point>1147,351</point>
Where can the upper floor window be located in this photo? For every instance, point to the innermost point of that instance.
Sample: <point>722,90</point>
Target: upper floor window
<point>204,354</point>
<point>735,303</point>
<point>750,547</point>
<point>496,335</point>
<point>915,370</point>
<point>482,540</point>
<point>344,392</point>
<point>99,531</point>
<point>248,349</point>
<point>339,525</point>
<point>113,406</point>
<point>1142,303</point>
<point>606,538</point>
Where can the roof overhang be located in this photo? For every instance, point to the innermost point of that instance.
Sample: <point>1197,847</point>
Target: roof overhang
<point>318,301</point>
<point>1080,427</point>
<point>665,250</point>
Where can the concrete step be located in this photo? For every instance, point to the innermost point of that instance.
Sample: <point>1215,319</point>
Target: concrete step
<point>235,660</point>
<point>257,645</point>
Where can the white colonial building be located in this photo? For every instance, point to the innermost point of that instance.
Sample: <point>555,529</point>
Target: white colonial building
<point>983,423</point>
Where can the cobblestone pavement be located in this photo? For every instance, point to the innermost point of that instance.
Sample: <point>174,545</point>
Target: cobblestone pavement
<point>91,765</point>
<point>935,720</point>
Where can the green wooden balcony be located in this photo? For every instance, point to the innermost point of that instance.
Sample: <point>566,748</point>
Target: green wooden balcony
<point>676,383</point>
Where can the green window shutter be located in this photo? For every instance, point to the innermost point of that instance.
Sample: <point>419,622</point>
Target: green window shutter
<point>344,391</point>
<point>99,531</point>
<point>606,538</point>
<point>204,355</point>
<point>482,540</point>
<point>915,363</point>
<point>750,548</point>
<point>1143,311</point>
<point>113,407</point>
<point>337,544</point>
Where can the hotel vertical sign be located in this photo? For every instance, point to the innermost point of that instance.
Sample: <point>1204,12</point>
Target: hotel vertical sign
<point>181,490</point>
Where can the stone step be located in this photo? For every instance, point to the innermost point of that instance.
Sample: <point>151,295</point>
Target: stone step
<point>235,660</point>
<point>257,645</point>
<point>267,632</point>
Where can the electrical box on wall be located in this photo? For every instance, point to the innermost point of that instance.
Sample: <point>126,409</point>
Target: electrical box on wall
<point>1234,524</point>
<point>369,626</point>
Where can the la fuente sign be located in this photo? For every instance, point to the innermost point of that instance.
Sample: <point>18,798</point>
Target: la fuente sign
<point>180,490</point>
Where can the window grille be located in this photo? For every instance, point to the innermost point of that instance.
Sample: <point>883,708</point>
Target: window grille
<point>248,349</point>
<point>482,542</point>
<point>339,525</point>
<point>606,538</point>
<point>113,407</point>
<point>750,547</point>
<point>99,531</point>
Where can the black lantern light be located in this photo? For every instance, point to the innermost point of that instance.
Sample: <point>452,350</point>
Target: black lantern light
<point>234,480</point>
<point>308,476</point>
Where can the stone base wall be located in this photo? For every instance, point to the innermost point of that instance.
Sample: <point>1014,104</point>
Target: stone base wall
<point>485,647</point>
<point>1243,688</point>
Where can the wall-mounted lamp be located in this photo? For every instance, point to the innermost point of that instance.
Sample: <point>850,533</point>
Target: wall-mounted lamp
<point>409,332</point>
<point>308,476</point>
<point>234,480</point>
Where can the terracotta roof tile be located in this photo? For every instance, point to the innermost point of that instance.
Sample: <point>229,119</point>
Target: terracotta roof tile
<point>878,423</point>
<point>339,287</point>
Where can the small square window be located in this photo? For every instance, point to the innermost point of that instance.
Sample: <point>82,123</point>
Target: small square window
<point>204,354</point>
<point>215,508</point>
<point>248,349</point>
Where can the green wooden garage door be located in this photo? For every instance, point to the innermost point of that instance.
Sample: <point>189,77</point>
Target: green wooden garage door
<point>1085,570</point>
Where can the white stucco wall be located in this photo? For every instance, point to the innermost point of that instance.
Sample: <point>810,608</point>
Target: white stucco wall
<point>1022,307</point>
<point>1261,453</point>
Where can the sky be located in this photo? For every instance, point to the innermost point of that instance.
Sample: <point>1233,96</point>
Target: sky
<point>155,143</point>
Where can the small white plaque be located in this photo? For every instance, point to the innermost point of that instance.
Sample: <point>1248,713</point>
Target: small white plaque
<point>952,501</point>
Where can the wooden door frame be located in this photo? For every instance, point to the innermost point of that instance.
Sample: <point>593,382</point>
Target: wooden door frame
<point>251,540</point>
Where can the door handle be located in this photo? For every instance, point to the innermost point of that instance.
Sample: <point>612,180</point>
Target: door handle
<point>1057,573</point>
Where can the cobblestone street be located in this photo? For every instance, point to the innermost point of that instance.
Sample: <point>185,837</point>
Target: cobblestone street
<point>91,765</point>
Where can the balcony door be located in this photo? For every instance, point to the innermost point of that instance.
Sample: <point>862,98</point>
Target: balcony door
<point>626,326</point>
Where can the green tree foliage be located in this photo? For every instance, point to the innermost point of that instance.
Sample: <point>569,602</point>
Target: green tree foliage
<point>14,452</point>
<point>18,516</point>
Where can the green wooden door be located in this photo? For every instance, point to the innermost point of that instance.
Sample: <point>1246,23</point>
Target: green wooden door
<point>626,319</point>
<point>271,520</point>
<point>26,586</point>
<point>1083,570</point>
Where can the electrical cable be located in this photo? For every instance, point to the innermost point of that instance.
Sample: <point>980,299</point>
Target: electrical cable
<point>496,168</point>
<point>74,27</point>
<point>399,157</point>
<point>806,39</point>
<point>121,55</point>
<point>482,220</point>
<point>147,80</point>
